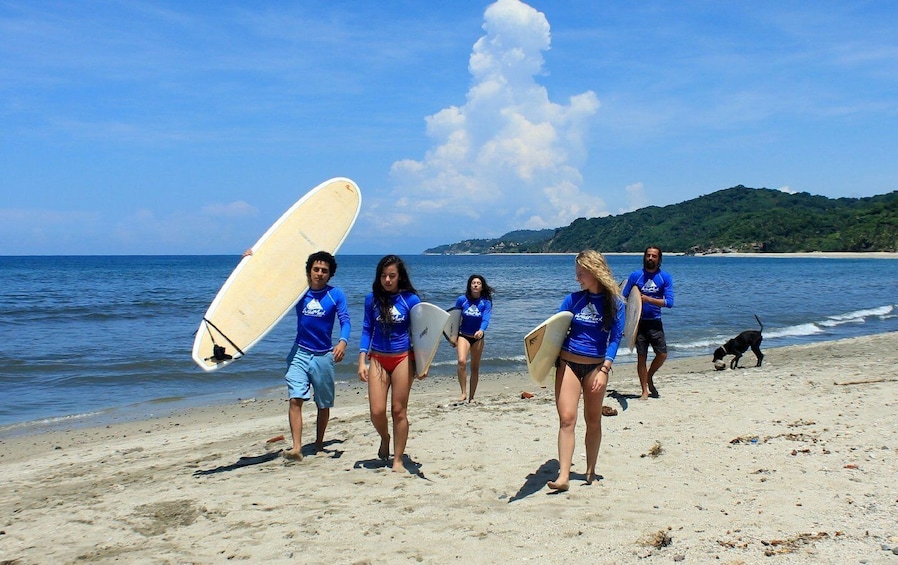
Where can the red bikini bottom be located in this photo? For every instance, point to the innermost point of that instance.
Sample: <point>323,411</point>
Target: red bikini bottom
<point>390,362</point>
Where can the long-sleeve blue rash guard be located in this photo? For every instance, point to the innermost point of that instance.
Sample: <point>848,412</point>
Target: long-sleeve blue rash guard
<point>657,285</point>
<point>316,312</point>
<point>587,336</point>
<point>474,315</point>
<point>383,337</point>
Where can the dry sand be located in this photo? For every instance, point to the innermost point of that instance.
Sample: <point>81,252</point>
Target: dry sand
<point>794,462</point>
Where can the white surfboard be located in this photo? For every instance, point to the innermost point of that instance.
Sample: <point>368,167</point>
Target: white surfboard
<point>452,326</point>
<point>266,285</point>
<point>634,313</point>
<point>543,344</point>
<point>427,324</point>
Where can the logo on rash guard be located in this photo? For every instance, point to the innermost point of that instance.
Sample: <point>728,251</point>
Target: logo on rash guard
<point>394,314</point>
<point>313,309</point>
<point>588,315</point>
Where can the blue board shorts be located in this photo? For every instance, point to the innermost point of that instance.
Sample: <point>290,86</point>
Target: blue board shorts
<point>315,371</point>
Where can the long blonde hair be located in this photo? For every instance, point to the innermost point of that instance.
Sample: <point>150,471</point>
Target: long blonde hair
<point>595,263</point>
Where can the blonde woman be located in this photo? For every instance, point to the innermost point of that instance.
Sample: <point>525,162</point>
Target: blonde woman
<point>584,364</point>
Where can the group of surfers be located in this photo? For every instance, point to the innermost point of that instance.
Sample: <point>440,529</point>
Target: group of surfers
<point>386,359</point>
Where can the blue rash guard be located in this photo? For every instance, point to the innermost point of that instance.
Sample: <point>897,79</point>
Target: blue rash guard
<point>383,337</point>
<point>587,337</point>
<point>474,315</point>
<point>316,312</point>
<point>657,285</point>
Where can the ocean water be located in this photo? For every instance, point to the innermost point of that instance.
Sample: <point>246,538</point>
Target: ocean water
<point>88,338</point>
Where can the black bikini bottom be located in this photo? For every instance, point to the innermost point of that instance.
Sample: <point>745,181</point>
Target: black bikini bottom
<point>581,370</point>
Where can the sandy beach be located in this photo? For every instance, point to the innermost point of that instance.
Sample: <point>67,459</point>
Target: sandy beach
<point>793,462</point>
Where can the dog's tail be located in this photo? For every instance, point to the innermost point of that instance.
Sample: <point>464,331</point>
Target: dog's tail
<point>759,323</point>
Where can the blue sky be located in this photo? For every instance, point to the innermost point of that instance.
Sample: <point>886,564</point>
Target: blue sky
<point>188,127</point>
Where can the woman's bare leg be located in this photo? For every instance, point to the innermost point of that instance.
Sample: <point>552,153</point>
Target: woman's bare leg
<point>402,385</point>
<point>476,354</point>
<point>378,387</point>
<point>461,349</point>
<point>567,398</point>
<point>592,413</point>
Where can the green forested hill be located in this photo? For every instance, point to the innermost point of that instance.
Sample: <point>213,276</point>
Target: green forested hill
<point>734,219</point>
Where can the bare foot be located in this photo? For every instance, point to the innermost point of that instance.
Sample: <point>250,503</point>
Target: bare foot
<point>384,451</point>
<point>293,455</point>
<point>398,467</point>
<point>560,487</point>
<point>644,396</point>
<point>463,397</point>
<point>653,392</point>
<point>590,477</point>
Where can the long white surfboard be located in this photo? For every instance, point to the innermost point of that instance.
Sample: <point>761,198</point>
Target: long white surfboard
<point>266,285</point>
<point>543,344</point>
<point>427,324</point>
<point>634,313</point>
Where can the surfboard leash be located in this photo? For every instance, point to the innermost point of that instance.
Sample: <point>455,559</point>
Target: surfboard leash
<point>218,352</point>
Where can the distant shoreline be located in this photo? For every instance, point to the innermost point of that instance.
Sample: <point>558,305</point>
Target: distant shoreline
<point>803,255</point>
<point>811,255</point>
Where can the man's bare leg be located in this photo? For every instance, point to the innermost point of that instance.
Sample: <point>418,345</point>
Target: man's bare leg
<point>656,364</point>
<point>642,371</point>
<point>294,415</point>
<point>324,416</point>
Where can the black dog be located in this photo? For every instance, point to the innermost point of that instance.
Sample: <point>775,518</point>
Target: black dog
<point>739,345</point>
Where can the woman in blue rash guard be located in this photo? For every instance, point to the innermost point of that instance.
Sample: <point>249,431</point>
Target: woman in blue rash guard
<point>476,306</point>
<point>584,364</point>
<point>386,345</point>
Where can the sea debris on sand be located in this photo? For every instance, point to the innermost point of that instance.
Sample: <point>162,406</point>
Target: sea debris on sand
<point>658,539</point>
<point>780,546</point>
<point>655,450</point>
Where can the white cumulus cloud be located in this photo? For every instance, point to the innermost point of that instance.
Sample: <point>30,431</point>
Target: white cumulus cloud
<point>507,157</point>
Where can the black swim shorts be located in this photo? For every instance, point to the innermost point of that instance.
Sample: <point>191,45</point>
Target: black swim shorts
<point>651,332</point>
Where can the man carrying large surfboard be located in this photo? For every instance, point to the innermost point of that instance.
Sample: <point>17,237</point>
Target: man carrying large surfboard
<point>657,291</point>
<point>310,365</point>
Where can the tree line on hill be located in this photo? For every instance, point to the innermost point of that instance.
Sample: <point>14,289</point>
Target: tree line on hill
<point>737,219</point>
